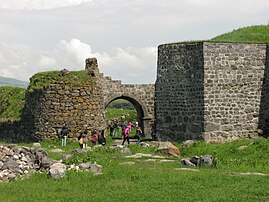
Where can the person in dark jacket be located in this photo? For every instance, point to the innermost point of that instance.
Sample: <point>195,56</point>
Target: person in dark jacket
<point>64,133</point>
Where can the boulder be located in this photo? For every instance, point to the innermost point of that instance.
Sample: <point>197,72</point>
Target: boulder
<point>57,171</point>
<point>85,166</point>
<point>96,169</point>
<point>188,143</point>
<point>93,167</point>
<point>57,150</point>
<point>126,151</point>
<point>197,161</point>
<point>36,145</point>
<point>168,148</point>
<point>46,163</point>
<point>66,156</point>
<point>206,160</point>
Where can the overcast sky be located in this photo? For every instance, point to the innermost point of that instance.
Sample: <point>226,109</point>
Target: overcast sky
<point>43,35</point>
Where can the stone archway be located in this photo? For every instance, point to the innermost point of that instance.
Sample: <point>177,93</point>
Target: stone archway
<point>139,106</point>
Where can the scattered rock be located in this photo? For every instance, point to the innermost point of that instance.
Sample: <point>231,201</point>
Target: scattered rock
<point>36,145</point>
<point>197,161</point>
<point>166,160</point>
<point>57,171</point>
<point>144,144</point>
<point>93,167</point>
<point>126,151</point>
<point>96,169</point>
<point>128,163</point>
<point>66,156</point>
<point>141,155</point>
<point>57,150</point>
<point>247,173</point>
<point>85,166</point>
<point>46,163</point>
<point>188,169</point>
<point>117,146</point>
<point>242,148</point>
<point>188,143</point>
<point>168,148</point>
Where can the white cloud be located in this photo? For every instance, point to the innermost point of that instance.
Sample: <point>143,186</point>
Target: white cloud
<point>46,61</point>
<point>38,4</point>
<point>131,65</point>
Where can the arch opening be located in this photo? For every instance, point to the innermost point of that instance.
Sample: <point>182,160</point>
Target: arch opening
<point>138,115</point>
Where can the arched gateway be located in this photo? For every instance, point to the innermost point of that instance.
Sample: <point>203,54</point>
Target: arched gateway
<point>79,100</point>
<point>141,96</point>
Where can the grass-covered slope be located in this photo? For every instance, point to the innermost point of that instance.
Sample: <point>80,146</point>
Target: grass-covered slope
<point>252,34</point>
<point>12,102</point>
<point>233,179</point>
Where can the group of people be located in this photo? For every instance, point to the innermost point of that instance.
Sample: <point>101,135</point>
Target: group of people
<point>94,136</point>
<point>98,136</point>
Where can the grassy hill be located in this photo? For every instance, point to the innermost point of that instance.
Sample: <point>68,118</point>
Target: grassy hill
<point>12,102</point>
<point>5,81</point>
<point>253,34</point>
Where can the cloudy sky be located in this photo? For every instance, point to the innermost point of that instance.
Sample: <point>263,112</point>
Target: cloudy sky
<point>43,35</point>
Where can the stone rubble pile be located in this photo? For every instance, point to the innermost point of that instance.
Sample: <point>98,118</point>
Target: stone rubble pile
<point>19,162</point>
<point>16,162</point>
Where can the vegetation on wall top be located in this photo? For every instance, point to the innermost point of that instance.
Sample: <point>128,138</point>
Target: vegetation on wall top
<point>252,34</point>
<point>42,80</point>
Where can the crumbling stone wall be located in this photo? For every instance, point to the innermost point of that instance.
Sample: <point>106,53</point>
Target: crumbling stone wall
<point>140,95</point>
<point>217,90</point>
<point>78,105</point>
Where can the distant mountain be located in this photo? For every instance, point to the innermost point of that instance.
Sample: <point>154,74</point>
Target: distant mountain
<point>5,81</point>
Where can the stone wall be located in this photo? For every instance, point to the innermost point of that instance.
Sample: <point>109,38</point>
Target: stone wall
<point>217,90</point>
<point>233,82</point>
<point>179,91</point>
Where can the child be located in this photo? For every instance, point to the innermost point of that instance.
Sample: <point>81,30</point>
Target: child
<point>94,137</point>
<point>85,139</point>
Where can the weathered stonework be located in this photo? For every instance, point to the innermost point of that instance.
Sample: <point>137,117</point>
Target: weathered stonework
<point>79,105</point>
<point>218,91</point>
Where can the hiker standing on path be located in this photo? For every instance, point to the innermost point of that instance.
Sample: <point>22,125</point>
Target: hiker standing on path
<point>64,133</point>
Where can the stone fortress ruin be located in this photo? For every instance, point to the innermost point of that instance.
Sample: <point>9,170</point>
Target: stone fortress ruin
<point>215,91</point>
<point>209,90</point>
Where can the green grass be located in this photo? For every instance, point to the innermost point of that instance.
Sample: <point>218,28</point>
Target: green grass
<point>12,103</point>
<point>112,113</point>
<point>152,181</point>
<point>253,34</point>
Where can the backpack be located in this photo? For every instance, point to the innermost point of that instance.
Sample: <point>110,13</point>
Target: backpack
<point>126,131</point>
<point>94,138</point>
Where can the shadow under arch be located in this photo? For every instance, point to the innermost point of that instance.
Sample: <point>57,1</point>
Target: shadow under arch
<point>139,106</point>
